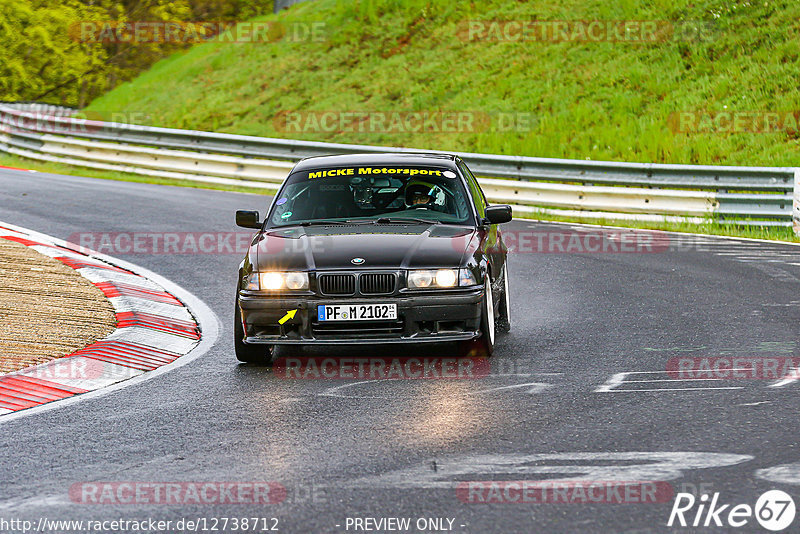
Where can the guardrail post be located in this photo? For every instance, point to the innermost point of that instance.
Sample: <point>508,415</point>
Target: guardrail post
<point>796,202</point>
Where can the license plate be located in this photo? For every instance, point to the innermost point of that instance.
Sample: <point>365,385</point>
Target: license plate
<point>357,312</point>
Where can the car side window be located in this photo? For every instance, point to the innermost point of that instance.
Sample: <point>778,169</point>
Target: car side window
<point>474,189</point>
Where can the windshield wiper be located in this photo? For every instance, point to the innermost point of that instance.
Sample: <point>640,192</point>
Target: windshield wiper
<point>388,220</point>
<point>380,220</point>
<point>322,222</point>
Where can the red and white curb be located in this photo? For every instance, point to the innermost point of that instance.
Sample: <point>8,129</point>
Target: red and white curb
<point>158,323</point>
<point>16,169</point>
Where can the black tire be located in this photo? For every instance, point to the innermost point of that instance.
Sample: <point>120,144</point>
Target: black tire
<point>487,320</point>
<point>504,306</point>
<point>260,354</point>
<point>484,345</point>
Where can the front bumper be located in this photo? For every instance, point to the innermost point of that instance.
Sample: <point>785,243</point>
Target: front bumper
<point>440,317</point>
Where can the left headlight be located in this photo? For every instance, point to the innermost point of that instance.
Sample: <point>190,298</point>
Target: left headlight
<point>276,281</point>
<point>439,278</point>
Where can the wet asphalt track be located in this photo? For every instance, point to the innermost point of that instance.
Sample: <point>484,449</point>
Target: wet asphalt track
<point>397,448</point>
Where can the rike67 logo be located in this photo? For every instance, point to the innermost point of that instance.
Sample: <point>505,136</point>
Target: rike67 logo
<point>774,510</point>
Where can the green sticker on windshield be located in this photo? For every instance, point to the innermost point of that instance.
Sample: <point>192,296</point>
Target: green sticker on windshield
<point>286,215</point>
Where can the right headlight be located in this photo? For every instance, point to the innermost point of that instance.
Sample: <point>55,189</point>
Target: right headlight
<point>440,278</point>
<point>277,281</point>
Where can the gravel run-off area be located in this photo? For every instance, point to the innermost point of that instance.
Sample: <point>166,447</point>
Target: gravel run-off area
<point>47,310</point>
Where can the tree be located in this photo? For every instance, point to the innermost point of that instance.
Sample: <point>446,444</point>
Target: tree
<point>47,52</point>
<point>38,58</point>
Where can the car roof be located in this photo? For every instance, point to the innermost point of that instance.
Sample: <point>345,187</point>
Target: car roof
<point>389,158</point>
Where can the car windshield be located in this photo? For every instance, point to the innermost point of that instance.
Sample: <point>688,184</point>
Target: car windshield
<point>380,194</point>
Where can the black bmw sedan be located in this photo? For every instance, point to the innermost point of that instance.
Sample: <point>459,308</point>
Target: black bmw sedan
<point>373,248</point>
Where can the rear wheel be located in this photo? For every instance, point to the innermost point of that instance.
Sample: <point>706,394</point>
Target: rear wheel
<point>261,354</point>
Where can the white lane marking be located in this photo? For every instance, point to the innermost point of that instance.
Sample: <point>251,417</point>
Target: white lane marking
<point>783,474</point>
<point>615,380</point>
<point>791,378</point>
<point>333,392</point>
<point>538,387</point>
<point>642,372</point>
<point>670,380</point>
<point>612,385</point>
<point>535,388</point>
<point>526,374</point>
<point>666,372</point>
<point>153,338</point>
<point>48,502</point>
<point>611,466</point>
<point>3,411</point>
<point>759,253</point>
<point>671,389</point>
<point>787,305</point>
<point>766,257</point>
<point>205,317</point>
<point>737,249</point>
<point>775,272</point>
<point>675,349</point>
<point>754,403</point>
<point>743,260</point>
<point>741,249</point>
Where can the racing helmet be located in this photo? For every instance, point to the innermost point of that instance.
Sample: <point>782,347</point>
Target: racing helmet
<point>420,193</point>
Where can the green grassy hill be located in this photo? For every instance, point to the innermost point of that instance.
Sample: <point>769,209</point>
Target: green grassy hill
<point>589,100</point>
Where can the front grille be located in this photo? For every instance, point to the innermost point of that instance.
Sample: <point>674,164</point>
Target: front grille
<point>358,330</point>
<point>376,283</point>
<point>337,284</point>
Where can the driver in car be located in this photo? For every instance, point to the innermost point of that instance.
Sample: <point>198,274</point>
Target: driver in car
<point>420,193</point>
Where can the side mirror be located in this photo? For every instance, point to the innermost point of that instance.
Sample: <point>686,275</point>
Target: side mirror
<point>498,214</point>
<point>247,219</point>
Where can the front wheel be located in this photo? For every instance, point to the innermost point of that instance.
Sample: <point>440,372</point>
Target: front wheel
<point>484,345</point>
<point>487,319</point>
<point>504,307</point>
<point>261,354</point>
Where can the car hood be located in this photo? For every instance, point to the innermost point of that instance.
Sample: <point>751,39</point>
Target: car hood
<point>380,246</point>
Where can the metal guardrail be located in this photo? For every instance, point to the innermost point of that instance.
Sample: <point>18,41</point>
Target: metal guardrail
<point>284,4</point>
<point>594,189</point>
